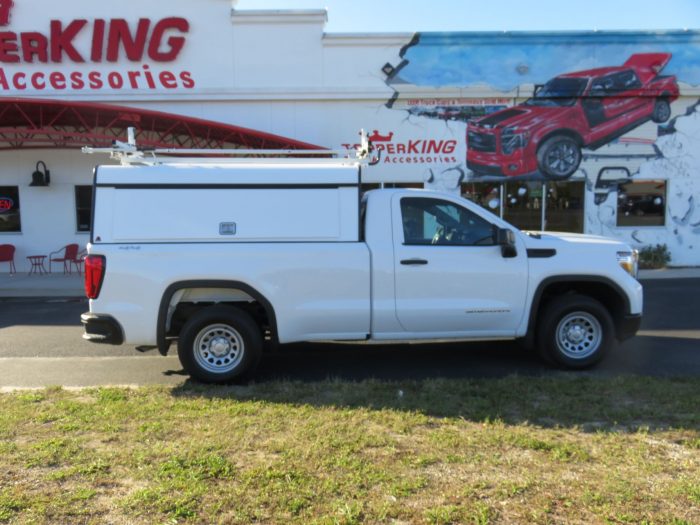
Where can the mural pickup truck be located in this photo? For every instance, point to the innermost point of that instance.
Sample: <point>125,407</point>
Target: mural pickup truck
<point>585,109</point>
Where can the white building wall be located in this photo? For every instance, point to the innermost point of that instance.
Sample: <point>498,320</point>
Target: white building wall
<point>279,72</point>
<point>48,214</point>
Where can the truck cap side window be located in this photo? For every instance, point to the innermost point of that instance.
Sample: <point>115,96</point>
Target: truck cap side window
<point>428,221</point>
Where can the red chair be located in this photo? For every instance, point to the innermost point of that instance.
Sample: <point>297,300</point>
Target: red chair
<point>7,254</point>
<point>80,259</point>
<point>70,257</point>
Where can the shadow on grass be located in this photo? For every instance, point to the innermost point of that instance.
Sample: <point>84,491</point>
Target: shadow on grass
<point>505,383</point>
<point>318,361</point>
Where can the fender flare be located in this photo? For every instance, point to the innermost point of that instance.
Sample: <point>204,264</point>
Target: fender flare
<point>568,132</point>
<point>539,292</point>
<point>161,341</point>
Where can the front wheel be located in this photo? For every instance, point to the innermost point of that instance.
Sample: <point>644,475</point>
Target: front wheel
<point>575,332</point>
<point>220,344</point>
<point>559,157</point>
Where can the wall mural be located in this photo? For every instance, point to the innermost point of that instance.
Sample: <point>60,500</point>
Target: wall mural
<point>604,108</point>
<point>586,109</point>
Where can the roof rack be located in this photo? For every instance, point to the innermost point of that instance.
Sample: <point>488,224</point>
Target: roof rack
<point>129,153</point>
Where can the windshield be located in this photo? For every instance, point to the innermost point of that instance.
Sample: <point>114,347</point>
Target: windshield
<point>559,92</point>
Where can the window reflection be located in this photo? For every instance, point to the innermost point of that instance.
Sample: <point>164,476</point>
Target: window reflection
<point>428,221</point>
<point>487,195</point>
<point>642,203</point>
<point>523,204</point>
<point>564,207</point>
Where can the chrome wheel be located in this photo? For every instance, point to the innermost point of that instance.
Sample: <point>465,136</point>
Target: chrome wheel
<point>579,335</point>
<point>562,159</point>
<point>218,348</point>
<point>662,111</point>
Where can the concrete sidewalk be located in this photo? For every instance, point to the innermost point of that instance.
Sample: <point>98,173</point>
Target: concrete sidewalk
<point>670,273</point>
<point>46,285</point>
<point>22,285</point>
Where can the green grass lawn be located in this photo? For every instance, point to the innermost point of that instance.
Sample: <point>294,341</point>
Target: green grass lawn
<point>558,449</point>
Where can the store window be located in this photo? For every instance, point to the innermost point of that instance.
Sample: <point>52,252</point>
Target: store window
<point>487,195</point>
<point>9,210</point>
<point>642,203</point>
<point>564,207</point>
<point>83,207</point>
<point>523,204</point>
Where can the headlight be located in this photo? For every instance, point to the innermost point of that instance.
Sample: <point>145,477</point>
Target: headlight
<point>629,261</point>
<point>511,140</point>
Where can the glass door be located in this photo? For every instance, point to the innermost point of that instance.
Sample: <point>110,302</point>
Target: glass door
<point>522,204</point>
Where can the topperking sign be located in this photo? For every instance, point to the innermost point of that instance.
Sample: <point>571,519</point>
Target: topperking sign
<point>97,42</point>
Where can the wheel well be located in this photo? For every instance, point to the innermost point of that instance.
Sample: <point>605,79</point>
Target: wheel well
<point>604,292</point>
<point>184,310</point>
<point>182,300</point>
<point>566,132</point>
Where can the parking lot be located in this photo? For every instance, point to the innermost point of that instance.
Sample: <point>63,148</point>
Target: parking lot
<point>41,345</point>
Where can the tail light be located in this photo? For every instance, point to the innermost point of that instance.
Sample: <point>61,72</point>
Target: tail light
<point>94,275</point>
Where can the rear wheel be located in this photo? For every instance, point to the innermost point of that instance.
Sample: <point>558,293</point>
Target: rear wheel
<point>220,344</point>
<point>662,111</point>
<point>575,332</point>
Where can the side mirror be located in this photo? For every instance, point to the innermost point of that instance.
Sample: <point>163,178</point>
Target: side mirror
<point>505,238</point>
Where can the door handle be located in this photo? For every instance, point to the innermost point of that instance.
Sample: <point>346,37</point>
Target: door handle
<point>414,262</point>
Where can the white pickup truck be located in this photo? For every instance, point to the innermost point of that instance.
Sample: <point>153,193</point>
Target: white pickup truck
<point>220,257</point>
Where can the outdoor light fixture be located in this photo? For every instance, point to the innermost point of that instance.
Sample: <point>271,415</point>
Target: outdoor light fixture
<point>41,178</point>
<point>388,69</point>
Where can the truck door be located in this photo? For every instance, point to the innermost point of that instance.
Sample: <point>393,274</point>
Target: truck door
<point>612,103</point>
<point>450,276</point>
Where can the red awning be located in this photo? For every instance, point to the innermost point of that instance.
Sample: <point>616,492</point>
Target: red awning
<point>36,123</point>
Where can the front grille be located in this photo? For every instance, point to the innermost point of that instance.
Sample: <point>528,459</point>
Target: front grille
<point>481,142</point>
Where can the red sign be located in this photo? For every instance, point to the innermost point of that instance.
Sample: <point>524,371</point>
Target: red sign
<point>412,151</point>
<point>108,40</point>
<point>5,7</point>
<point>96,41</point>
<point>6,204</point>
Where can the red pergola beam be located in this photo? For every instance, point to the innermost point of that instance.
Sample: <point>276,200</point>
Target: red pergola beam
<point>37,123</point>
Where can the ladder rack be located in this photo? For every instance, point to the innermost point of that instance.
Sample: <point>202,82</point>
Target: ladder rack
<point>130,153</point>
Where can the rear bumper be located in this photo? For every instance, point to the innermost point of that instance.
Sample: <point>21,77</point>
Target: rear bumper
<point>102,329</point>
<point>628,326</point>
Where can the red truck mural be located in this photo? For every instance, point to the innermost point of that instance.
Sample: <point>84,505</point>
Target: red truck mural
<point>585,109</point>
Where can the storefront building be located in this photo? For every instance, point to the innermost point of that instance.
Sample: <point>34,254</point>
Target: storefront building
<point>595,132</point>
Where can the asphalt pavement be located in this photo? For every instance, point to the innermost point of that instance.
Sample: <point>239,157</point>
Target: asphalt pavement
<point>41,345</point>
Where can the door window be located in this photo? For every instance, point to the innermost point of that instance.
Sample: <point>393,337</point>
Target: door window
<point>603,86</point>
<point>438,222</point>
<point>627,80</point>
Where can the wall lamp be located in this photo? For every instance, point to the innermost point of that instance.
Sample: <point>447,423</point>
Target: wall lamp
<point>388,69</point>
<point>39,177</point>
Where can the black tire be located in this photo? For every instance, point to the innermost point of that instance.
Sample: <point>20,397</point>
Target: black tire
<point>662,111</point>
<point>220,344</point>
<point>575,332</point>
<point>558,157</point>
